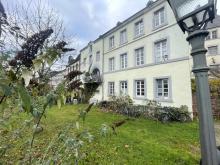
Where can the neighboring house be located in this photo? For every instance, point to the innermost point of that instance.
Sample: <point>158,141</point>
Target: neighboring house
<point>56,77</point>
<point>91,60</point>
<point>213,42</point>
<point>146,57</point>
<point>73,64</point>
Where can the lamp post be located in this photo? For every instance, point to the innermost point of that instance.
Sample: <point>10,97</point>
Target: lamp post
<point>192,17</point>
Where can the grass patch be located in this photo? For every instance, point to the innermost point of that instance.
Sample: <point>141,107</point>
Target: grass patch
<point>138,141</point>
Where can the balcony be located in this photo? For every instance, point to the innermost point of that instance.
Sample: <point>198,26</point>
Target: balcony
<point>93,77</point>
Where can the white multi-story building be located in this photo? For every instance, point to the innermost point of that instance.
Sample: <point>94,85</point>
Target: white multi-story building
<point>56,77</point>
<point>73,64</point>
<point>146,57</point>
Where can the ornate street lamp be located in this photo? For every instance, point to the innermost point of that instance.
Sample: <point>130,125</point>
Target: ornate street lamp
<point>192,17</point>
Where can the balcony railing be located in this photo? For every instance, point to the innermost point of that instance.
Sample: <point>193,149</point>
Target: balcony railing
<point>93,79</point>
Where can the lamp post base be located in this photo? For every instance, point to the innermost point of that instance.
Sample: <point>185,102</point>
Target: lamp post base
<point>200,70</point>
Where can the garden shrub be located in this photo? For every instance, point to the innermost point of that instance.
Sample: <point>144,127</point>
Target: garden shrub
<point>166,114</point>
<point>89,91</point>
<point>152,110</point>
<point>120,104</point>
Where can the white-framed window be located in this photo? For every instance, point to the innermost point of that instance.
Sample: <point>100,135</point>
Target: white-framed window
<point>123,87</point>
<point>123,36</point>
<point>139,88</point>
<point>90,59</point>
<point>111,64</point>
<point>84,61</point>
<point>139,56</point>
<point>162,88</point>
<point>111,42</point>
<point>124,60</point>
<point>213,50</point>
<point>159,17</point>
<point>139,28</point>
<point>111,88</point>
<point>212,35</point>
<point>98,56</point>
<point>161,51</point>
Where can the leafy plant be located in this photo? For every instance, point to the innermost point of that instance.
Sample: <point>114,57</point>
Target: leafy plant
<point>89,90</point>
<point>120,104</point>
<point>153,110</point>
<point>214,85</point>
<point>30,48</point>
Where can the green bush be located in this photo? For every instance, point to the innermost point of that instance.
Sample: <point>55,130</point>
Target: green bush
<point>214,85</point>
<point>120,103</point>
<point>166,114</point>
<point>152,110</point>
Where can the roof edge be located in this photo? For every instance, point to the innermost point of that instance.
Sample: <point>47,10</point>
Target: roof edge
<point>128,20</point>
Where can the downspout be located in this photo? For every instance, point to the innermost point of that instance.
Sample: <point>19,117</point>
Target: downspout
<point>103,68</point>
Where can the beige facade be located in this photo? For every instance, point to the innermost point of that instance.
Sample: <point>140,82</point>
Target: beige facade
<point>146,57</point>
<point>213,55</point>
<point>57,78</point>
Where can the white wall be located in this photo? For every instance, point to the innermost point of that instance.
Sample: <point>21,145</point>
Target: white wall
<point>178,67</point>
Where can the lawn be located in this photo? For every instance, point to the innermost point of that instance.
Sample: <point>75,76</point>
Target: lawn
<point>138,141</point>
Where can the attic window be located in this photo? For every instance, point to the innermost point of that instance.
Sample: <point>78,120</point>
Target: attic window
<point>149,3</point>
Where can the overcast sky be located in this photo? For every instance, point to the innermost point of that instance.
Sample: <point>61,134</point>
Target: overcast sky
<point>87,19</point>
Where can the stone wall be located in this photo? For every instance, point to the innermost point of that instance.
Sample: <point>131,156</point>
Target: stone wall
<point>215,101</point>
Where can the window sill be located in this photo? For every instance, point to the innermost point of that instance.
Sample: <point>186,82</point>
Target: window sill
<point>160,26</point>
<point>123,68</point>
<point>217,54</point>
<point>140,98</point>
<point>138,36</point>
<point>164,100</point>
<point>111,48</point>
<point>137,66</point>
<point>162,62</point>
<point>121,44</point>
<point>212,39</point>
<point>110,95</point>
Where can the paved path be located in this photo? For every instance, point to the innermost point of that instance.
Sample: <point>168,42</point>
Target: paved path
<point>217,133</point>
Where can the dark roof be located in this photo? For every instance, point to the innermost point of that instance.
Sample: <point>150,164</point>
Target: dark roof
<point>215,23</point>
<point>54,73</point>
<point>74,60</point>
